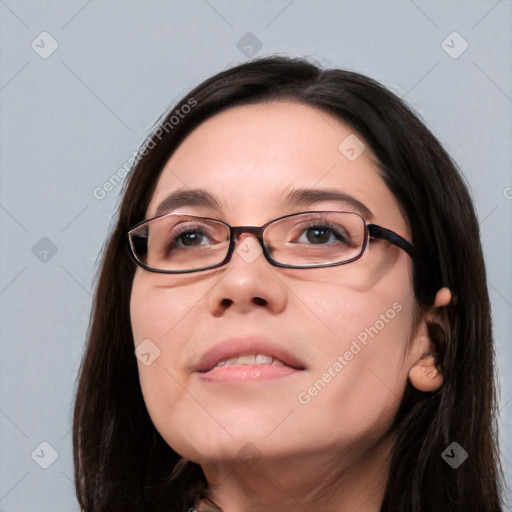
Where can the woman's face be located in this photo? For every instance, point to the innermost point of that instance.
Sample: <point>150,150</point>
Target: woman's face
<point>341,330</point>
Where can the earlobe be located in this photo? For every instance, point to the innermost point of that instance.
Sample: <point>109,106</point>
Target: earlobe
<point>425,375</point>
<point>443,297</point>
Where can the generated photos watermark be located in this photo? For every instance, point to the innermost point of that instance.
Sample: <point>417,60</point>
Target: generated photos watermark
<point>342,361</point>
<point>101,191</point>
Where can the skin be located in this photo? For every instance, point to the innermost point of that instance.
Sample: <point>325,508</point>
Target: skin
<point>260,448</point>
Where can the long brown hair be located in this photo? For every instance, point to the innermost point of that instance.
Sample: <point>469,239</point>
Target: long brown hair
<point>123,464</point>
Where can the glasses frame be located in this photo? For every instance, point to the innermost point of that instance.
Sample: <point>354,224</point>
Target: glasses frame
<point>371,231</point>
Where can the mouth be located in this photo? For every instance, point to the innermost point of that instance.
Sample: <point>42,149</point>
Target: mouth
<point>247,359</point>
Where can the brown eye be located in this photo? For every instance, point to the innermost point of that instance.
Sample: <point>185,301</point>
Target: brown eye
<point>322,235</point>
<point>190,238</point>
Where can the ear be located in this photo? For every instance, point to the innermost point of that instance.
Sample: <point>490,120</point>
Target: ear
<point>425,374</point>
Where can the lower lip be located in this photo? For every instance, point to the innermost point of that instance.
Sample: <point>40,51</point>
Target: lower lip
<point>248,373</point>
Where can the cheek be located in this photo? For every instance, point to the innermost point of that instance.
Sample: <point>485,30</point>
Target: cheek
<point>344,313</point>
<point>360,376</point>
<point>155,312</point>
<point>157,308</point>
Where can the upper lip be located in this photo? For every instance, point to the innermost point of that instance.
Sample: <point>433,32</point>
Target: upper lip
<point>236,347</point>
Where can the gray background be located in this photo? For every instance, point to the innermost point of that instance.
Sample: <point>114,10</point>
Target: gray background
<point>70,120</point>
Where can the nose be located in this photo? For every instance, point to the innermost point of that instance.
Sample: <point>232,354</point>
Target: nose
<point>249,282</point>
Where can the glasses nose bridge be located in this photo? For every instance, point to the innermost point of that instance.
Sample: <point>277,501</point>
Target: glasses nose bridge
<point>253,230</point>
<point>236,231</point>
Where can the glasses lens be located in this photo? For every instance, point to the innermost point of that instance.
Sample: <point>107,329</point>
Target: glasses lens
<point>319,238</point>
<point>180,242</point>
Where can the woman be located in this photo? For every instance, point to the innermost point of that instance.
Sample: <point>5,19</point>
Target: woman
<point>292,311</point>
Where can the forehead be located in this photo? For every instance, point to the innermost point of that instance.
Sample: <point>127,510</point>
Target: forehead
<point>251,158</point>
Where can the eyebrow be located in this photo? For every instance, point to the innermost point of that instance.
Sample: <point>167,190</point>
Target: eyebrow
<point>307,197</point>
<point>294,198</point>
<point>189,197</point>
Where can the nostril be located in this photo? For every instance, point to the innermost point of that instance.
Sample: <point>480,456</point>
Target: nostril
<point>259,301</point>
<point>225,303</point>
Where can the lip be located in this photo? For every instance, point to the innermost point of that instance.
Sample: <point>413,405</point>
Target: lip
<point>236,347</point>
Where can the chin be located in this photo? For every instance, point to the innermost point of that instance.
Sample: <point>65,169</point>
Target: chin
<point>208,442</point>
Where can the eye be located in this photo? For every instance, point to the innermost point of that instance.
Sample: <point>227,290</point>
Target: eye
<point>324,234</point>
<point>190,236</point>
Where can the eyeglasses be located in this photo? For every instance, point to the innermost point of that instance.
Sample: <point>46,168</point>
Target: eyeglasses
<point>177,243</point>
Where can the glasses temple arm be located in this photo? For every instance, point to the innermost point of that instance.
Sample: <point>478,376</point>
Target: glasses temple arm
<point>392,237</point>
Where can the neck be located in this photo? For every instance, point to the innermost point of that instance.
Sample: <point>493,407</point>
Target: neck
<point>305,483</point>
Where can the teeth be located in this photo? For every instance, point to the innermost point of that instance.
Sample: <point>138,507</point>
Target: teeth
<point>251,359</point>
<point>246,360</point>
<point>261,359</point>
